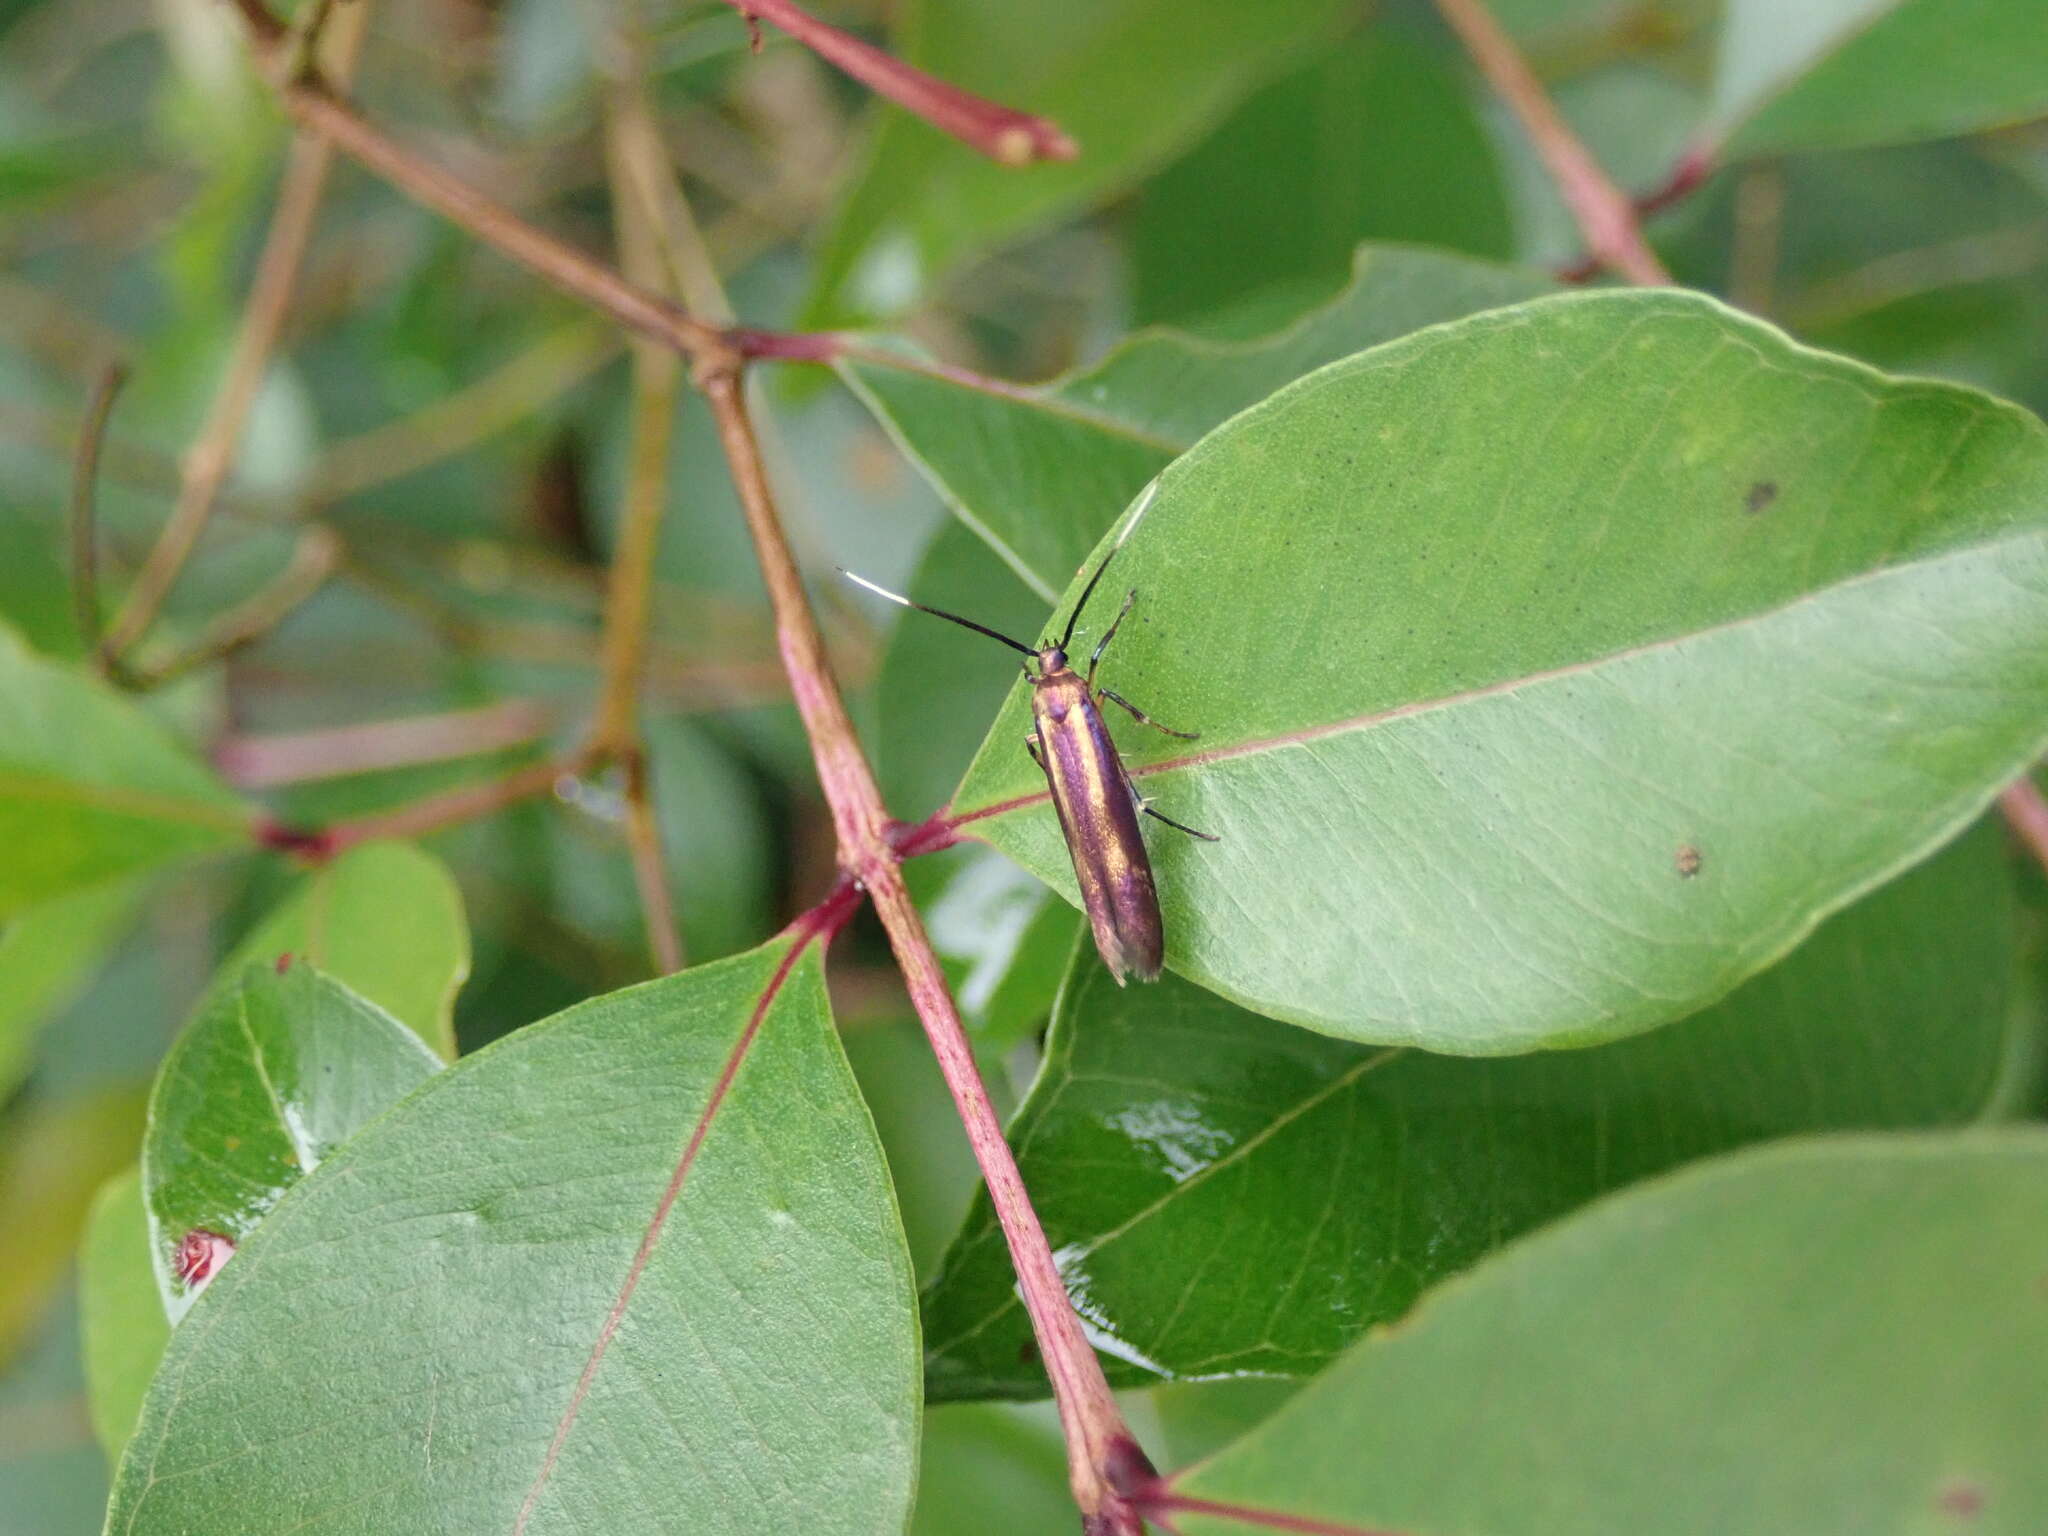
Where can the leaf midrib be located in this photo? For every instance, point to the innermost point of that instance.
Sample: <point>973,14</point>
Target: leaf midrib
<point>1506,687</point>
<point>128,802</point>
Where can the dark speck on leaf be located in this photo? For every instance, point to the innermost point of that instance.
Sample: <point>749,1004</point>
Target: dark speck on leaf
<point>284,963</point>
<point>1687,861</point>
<point>1963,1500</point>
<point>1761,495</point>
<point>1027,1352</point>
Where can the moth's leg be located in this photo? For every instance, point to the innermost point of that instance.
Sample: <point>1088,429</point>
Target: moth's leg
<point>1031,746</point>
<point>1138,799</point>
<point>1142,718</point>
<point>1109,634</point>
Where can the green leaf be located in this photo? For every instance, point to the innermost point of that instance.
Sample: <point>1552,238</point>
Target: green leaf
<point>34,591</point>
<point>269,1078</point>
<point>1039,473</point>
<point>1375,139</point>
<point>46,955</point>
<point>980,1459</point>
<point>932,1173</point>
<point>1838,1336</point>
<point>403,1345</point>
<point>921,201</point>
<point>1559,668</point>
<point>385,920</point>
<point>53,1158</point>
<point>1923,258</point>
<point>1324,1185</point>
<point>121,1316</point>
<point>1848,73</point>
<point>90,788</point>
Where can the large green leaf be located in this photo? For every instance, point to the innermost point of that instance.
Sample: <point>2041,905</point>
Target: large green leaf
<point>920,201</point>
<point>1040,473</point>
<point>121,1318</point>
<point>1559,668</point>
<point>1831,1337</point>
<point>1375,139</point>
<point>91,788</point>
<point>272,1075</point>
<point>1844,73</point>
<point>507,1295</point>
<point>1227,1198</point>
<point>385,920</point>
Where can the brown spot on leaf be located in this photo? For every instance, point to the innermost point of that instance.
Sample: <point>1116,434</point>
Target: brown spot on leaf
<point>1761,495</point>
<point>1027,1352</point>
<point>284,963</point>
<point>1965,1501</point>
<point>1686,861</point>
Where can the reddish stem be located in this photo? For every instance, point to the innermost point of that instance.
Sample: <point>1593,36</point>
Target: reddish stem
<point>298,757</point>
<point>1686,178</point>
<point>1097,1441</point>
<point>1159,1501</point>
<point>1604,214</point>
<point>787,346</point>
<point>2026,812</point>
<point>1002,133</point>
<point>465,803</point>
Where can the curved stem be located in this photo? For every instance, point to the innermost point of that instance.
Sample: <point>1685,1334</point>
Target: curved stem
<point>1097,1439</point>
<point>206,463</point>
<point>1605,216</point>
<point>657,380</point>
<point>1104,1462</point>
<point>2026,812</point>
<point>85,559</point>
<point>1002,133</point>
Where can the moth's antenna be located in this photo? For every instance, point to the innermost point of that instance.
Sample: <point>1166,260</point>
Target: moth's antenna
<point>980,629</point>
<point>1137,514</point>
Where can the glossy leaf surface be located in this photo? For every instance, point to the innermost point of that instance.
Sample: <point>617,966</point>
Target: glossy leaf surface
<point>1040,473</point>
<point>1833,1337</point>
<point>491,1345</point>
<point>91,788</point>
<point>920,201</point>
<point>1559,668</point>
<point>1227,1198</point>
<point>270,1076</point>
<point>385,920</point>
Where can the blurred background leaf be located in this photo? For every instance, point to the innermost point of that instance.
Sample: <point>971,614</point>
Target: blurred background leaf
<point>1933,1245</point>
<point>1167,1123</point>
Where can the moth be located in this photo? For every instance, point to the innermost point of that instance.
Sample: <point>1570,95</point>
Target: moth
<point>1093,792</point>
